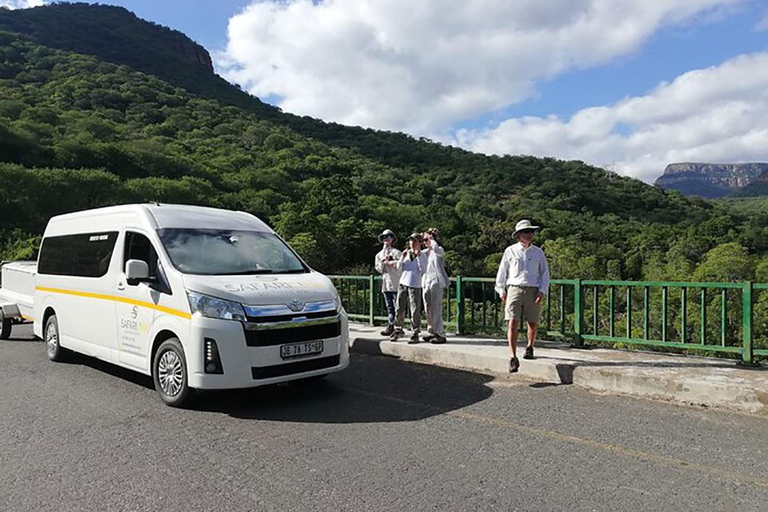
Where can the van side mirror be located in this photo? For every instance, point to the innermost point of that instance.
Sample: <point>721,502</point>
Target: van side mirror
<point>136,271</point>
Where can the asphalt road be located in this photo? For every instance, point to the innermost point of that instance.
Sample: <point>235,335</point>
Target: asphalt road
<point>383,435</point>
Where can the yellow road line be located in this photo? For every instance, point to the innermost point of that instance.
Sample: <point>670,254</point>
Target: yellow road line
<point>116,298</point>
<point>567,438</point>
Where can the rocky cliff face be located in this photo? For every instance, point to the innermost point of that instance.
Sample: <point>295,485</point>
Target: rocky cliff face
<point>192,53</point>
<point>711,180</point>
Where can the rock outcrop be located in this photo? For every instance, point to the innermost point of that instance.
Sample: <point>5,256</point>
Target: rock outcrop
<point>192,53</point>
<point>711,181</point>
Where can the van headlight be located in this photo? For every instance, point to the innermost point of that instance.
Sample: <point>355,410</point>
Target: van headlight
<point>337,301</point>
<point>213,307</point>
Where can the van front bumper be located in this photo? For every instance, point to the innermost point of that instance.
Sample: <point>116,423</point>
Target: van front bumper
<point>260,364</point>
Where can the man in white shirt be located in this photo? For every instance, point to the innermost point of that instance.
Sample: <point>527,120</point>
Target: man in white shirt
<point>386,265</point>
<point>522,281</point>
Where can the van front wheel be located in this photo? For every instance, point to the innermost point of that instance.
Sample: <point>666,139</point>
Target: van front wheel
<point>169,371</point>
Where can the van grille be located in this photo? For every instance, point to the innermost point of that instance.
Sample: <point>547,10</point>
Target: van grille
<point>268,372</point>
<point>272,337</point>
<point>288,318</point>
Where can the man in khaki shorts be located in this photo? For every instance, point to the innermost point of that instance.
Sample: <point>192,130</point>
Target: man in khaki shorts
<point>522,281</point>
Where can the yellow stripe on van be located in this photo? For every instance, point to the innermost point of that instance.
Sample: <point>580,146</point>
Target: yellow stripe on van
<point>115,298</point>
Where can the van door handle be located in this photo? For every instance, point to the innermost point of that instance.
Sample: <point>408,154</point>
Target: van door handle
<point>120,286</point>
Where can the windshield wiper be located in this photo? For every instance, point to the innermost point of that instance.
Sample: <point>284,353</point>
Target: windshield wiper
<point>292,271</point>
<point>253,271</point>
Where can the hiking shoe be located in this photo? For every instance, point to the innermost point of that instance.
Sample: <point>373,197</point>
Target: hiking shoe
<point>388,331</point>
<point>514,365</point>
<point>428,337</point>
<point>528,353</point>
<point>396,334</point>
<point>414,339</point>
<point>438,340</point>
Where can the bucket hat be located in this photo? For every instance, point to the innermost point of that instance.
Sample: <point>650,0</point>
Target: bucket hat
<point>385,233</point>
<point>523,225</point>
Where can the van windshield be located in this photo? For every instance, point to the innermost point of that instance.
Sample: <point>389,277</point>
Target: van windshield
<point>229,252</point>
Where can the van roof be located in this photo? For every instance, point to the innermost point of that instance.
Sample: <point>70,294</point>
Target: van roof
<point>170,216</point>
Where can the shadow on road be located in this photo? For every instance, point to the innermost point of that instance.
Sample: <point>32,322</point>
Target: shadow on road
<point>137,378</point>
<point>372,389</point>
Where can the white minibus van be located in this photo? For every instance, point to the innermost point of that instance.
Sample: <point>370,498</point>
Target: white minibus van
<point>198,298</point>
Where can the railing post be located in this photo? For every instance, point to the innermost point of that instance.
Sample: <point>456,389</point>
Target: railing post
<point>459,306</point>
<point>746,324</point>
<point>578,313</point>
<point>370,299</point>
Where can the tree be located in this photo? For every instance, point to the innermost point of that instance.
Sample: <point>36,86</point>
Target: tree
<point>725,263</point>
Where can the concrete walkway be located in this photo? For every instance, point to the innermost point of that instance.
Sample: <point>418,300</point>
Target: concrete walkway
<point>699,381</point>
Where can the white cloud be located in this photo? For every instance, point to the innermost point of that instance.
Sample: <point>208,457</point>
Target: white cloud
<point>22,4</point>
<point>718,114</point>
<point>420,66</point>
<point>763,23</point>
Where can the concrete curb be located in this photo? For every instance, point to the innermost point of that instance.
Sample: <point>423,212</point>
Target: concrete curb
<point>682,380</point>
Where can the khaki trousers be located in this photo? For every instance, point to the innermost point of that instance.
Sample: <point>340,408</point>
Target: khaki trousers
<point>406,295</point>
<point>433,301</point>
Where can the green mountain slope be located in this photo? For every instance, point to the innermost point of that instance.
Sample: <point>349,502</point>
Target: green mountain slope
<point>98,107</point>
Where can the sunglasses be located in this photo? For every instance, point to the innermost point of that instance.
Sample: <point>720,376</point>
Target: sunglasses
<point>529,231</point>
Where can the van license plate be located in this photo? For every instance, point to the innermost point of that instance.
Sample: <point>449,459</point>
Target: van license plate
<point>308,348</point>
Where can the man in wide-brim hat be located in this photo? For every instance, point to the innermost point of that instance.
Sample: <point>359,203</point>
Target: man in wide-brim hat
<point>522,282</point>
<point>385,263</point>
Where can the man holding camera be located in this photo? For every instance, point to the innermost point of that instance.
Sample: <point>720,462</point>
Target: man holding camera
<point>434,281</point>
<point>386,265</point>
<point>413,263</point>
<point>522,281</point>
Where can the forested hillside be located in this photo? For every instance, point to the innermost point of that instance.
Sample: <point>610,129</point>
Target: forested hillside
<point>98,107</point>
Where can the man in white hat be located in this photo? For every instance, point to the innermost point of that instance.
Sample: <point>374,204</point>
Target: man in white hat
<point>386,265</point>
<point>522,281</point>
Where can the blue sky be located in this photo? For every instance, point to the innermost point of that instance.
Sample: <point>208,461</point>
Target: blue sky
<point>584,79</point>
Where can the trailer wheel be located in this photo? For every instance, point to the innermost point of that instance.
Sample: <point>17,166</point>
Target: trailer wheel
<point>51,336</point>
<point>5,326</point>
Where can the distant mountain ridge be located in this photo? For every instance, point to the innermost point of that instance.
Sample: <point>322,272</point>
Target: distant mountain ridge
<point>712,181</point>
<point>79,33</point>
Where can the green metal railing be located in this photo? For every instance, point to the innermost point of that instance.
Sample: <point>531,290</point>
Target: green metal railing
<point>711,318</point>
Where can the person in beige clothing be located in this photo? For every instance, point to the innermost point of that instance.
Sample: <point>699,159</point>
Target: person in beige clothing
<point>522,282</point>
<point>385,263</point>
<point>433,282</point>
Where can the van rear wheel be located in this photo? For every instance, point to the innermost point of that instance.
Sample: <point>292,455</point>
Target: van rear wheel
<point>5,326</point>
<point>52,340</point>
<point>169,372</point>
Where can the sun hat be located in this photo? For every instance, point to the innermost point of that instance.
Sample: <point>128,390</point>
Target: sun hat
<point>524,225</point>
<point>387,233</point>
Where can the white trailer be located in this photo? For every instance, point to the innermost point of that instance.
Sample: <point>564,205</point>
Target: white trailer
<point>17,288</point>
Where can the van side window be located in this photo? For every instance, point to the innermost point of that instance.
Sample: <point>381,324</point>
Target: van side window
<point>83,255</point>
<point>138,247</point>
